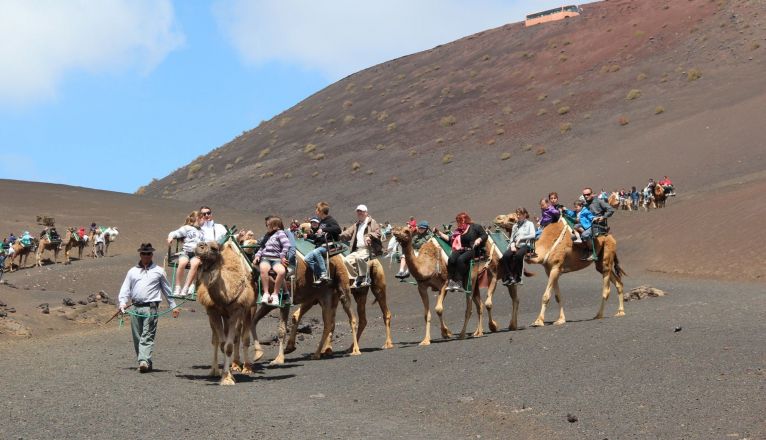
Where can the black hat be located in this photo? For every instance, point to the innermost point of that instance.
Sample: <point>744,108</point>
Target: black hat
<point>145,247</point>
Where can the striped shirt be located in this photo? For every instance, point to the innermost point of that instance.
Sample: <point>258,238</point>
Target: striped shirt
<point>145,284</point>
<point>276,246</point>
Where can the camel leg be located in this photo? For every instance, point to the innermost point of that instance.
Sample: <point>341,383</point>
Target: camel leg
<point>345,300</point>
<point>284,315</point>
<point>618,285</point>
<point>230,329</point>
<point>380,295</point>
<point>606,289</point>
<point>260,312</point>
<point>477,303</point>
<point>488,304</point>
<point>296,319</point>
<point>217,330</point>
<point>553,275</point>
<point>467,314</point>
<point>446,334</point>
<point>513,291</point>
<point>360,296</point>
<point>560,301</point>
<point>327,320</point>
<point>423,291</point>
<point>236,359</point>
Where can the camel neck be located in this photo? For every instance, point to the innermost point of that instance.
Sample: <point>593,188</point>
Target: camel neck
<point>413,261</point>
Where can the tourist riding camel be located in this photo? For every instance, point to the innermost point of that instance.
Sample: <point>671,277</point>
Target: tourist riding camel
<point>272,255</point>
<point>364,243</point>
<point>667,186</point>
<point>522,239</point>
<point>73,239</point>
<point>327,233</point>
<point>49,241</point>
<point>420,236</point>
<point>464,240</point>
<point>191,233</point>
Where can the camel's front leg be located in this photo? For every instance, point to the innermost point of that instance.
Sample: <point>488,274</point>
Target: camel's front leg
<point>345,300</point>
<point>513,291</point>
<point>327,321</point>
<point>560,301</point>
<point>618,285</point>
<point>488,304</point>
<point>477,302</point>
<point>360,296</point>
<point>381,296</point>
<point>423,291</point>
<point>446,334</point>
<point>284,315</point>
<point>296,319</point>
<point>606,289</point>
<point>467,314</point>
<point>231,326</point>
<point>236,359</point>
<point>217,331</point>
<point>553,275</point>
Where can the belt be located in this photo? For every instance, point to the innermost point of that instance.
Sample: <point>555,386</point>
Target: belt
<point>146,304</point>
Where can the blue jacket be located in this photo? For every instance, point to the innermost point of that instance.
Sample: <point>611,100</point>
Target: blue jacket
<point>586,218</point>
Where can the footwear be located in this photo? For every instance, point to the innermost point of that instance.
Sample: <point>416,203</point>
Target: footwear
<point>324,277</point>
<point>591,258</point>
<point>365,282</point>
<point>577,240</point>
<point>451,286</point>
<point>183,292</point>
<point>177,291</point>
<point>192,289</point>
<point>507,281</point>
<point>518,281</point>
<point>402,274</point>
<point>458,286</point>
<point>143,367</point>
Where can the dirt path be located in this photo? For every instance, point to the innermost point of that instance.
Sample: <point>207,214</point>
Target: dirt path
<point>633,377</point>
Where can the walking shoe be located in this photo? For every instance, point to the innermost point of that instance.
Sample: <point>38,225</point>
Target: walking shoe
<point>577,240</point>
<point>401,274</point>
<point>507,281</point>
<point>325,276</point>
<point>143,367</point>
<point>177,291</point>
<point>318,281</point>
<point>183,292</point>
<point>591,258</point>
<point>365,282</point>
<point>518,281</point>
<point>192,289</point>
<point>450,286</point>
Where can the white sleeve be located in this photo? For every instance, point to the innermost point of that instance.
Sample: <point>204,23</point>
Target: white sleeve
<point>124,295</point>
<point>178,233</point>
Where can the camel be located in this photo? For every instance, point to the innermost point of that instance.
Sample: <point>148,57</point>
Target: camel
<point>226,290</point>
<point>72,240</point>
<point>556,252</point>
<point>22,252</point>
<point>659,196</point>
<point>110,234</point>
<point>614,199</point>
<point>45,244</point>
<point>499,273</point>
<point>429,269</point>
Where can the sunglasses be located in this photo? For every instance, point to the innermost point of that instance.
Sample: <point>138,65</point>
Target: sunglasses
<point>206,213</point>
<point>587,194</point>
<point>147,253</point>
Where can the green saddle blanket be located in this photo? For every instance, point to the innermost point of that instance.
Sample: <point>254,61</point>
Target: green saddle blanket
<point>500,240</point>
<point>304,246</point>
<point>445,246</point>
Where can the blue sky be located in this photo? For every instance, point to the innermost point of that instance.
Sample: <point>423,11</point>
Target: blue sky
<point>111,94</point>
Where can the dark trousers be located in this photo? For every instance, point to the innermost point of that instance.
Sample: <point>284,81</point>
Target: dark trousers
<point>513,262</point>
<point>458,264</point>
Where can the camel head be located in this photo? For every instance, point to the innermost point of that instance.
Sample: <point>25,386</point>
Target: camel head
<point>403,234</point>
<point>209,254</point>
<point>249,242</point>
<point>506,221</point>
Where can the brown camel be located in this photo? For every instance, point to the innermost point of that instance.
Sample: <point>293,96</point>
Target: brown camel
<point>499,273</point>
<point>614,199</point>
<point>22,252</point>
<point>72,240</point>
<point>429,269</point>
<point>328,295</point>
<point>558,255</point>
<point>225,288</point>
<point>45,244</point>
<point>659,196</point>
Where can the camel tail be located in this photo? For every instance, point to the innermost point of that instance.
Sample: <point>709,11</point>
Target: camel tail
<point>618,272</point>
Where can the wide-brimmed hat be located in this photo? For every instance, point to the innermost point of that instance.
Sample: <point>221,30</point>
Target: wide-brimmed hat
<point>423,224</point>
<point>145,247</point>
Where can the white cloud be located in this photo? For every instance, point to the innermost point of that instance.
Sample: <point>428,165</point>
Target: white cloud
<point>340,37</point>
<point>43,40</point>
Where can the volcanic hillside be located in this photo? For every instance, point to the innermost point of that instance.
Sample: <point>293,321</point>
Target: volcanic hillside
<point>627,91</point>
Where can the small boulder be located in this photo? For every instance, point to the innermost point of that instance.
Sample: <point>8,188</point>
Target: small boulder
<point>68,302</point>
<point>305,329</point>
<point>46,310</point>
<point>3,313</point>
<point>82,302</point>
<point>92,298</point>
<point>571,418</point>
<point>642,292</point>
<point>3,304</point>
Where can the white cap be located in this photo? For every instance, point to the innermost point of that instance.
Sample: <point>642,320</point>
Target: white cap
<point>362,208</point>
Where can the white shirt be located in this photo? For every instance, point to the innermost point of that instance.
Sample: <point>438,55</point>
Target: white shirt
<point>191,235</point>
<point>360,227</point>
<point>212,231</point>
<point>524,231</point>
<point>145,284</point>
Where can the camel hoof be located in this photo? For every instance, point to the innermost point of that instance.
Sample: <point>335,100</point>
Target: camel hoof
<point>388,345</point>
<point>560,322</point>
<point>227,380</point>
<point>247,369</point>
<point>235,367</point>
<point>478,334</point>
<point>289,349</point>
<point>355,352</point>
<point>512,327</point>
<point>619,313</point>
<point>327,351</point>
<point>258,355</point>
<point>424,342</point>
<point>492,326</point>
<point>599,316</point>
<point>538,323</point>
<point>316,356</point>
<point>277,361</point>
<point>462,336</point>
<point>446,334</point>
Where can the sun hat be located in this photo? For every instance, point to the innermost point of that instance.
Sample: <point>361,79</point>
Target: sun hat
<point>145,247</point>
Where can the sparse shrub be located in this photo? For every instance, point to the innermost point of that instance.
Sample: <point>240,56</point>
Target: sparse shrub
<point>586,116</point>
<point>174,182</point>
<point>563,110</point>
<point>413,152</point>
<point>391,126</point>
<point>439,140</point>
<point>565,127</point>
<point>633,94</point>
<point>348,119</point>
<point>239,159</point>
<point>309,148</point>
<point>447,158</point>
<point>355,166</point>
<point>394,179</point>
<point>623,120</point>
<point>563,57</point>
<point>507,110</point>
<point>382,116</point>
<point>500,132</point>
<point>542,112</point>
<point>641,77</point>
<point>556,102</point>
<point>287,175</point>
<point>347,104</point>
<point>265,152</point>
<point>614,68</point>
<point>369,172</point>
<point>486,58</point>
<point>490,141</point>
<point>284,121</point>
<point>258,165</point>
<point>331,121</point>
<point>540,151</point>
<point>505,156</point>
<point>693,74</point>
<point>319,156</point>
<point>448,121</point>
<point>526,147</point>
<point>141,191</point>
<point>193,170</point>
<point>228,166</point>
<point>315,174</point>
<point>380,147</point>
<point>319,129</point>
<point>639,34</point>
<point>659,110</point>
<point>541,97</point>
<point>755,46</point>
